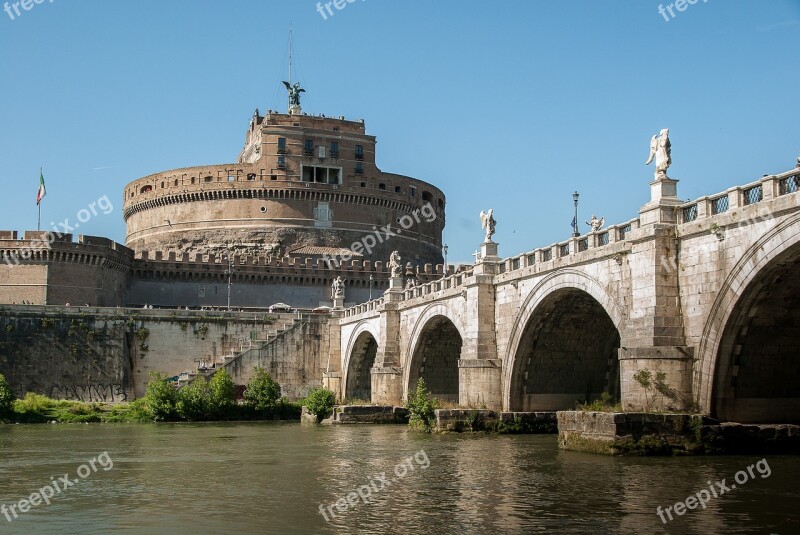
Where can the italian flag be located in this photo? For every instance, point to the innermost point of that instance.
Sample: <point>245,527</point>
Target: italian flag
<point>42,191</point>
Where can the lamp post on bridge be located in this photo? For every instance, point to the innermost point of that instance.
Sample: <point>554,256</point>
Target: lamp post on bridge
<point>444,249</point>
<point>575,232</point>
<point>370,286</point>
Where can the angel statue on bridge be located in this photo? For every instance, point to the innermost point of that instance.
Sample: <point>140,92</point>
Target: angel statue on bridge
<point>337,288</point>
<point>395,264</point>
<point>488,223</point>
<point>595,223</point>
<point>661,150</point>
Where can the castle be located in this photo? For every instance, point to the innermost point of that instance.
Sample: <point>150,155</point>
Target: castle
<point>304,203</point>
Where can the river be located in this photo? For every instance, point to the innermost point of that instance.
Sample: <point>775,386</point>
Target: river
<point>286,478</point>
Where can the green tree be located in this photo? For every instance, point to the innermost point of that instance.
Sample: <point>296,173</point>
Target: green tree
<point>193,400</point>
<point>160,398</point>
<point>320,402</point>
<point>6,398</point>
<point>421,408</point>
<point>222,395</point>
<point>263,392</point>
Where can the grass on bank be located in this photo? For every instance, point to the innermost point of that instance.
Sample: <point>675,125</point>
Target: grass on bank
<point>214,400</point>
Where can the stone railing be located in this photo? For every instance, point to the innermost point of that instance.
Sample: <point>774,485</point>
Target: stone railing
<point>363,308</point>
<point>572,246</point>
<point>768,188</point>
<point>452,281</point>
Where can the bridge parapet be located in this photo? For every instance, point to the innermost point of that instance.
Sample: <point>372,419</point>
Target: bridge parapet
<point>359,312</point>
<point>453,282</point>
<point>588,243</point>
<point>766,189</point>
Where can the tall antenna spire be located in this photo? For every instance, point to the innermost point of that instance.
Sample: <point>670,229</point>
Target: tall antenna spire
<point>291,53</point>
<point>294,89</point>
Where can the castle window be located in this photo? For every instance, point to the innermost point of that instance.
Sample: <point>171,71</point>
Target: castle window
<point>192,180</point>
<point>273,177</point>
<point>162,185</point>
<point>281,161</point>
<point>322,174</point>
<point>398,189</point>
<point>359,168</point>
<point>209,178</point>
<point>440,202</point>
<point>412,191</point>
<point>308,147</point>
<point>359,152</point>
<point>281,145</point>
<point>382,186</point>
<point>251,176</point>
<point>426,196</point>
<point>334,149</point>
<point>231,178</point>
<point>363,184</point>
<point>176,181</point>
<point>146,189</point>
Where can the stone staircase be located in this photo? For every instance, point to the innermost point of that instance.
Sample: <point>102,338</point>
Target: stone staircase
<point>225,361</point>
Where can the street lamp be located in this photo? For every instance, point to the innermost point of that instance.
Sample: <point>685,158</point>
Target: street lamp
<point>229,272</point>
<point>444,249</point>
<point>370,286</point>
<point>575,232</point>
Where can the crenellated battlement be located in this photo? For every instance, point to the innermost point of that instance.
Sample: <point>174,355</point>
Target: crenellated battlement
<point>36,247</point>
<point>170,261</point>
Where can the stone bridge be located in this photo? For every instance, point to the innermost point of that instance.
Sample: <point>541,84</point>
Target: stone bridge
<point>701,294</point>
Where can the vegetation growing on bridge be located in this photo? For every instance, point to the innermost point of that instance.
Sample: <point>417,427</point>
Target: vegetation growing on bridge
<point>421,408</point>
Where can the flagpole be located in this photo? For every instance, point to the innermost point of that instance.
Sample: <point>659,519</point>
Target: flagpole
<point>39,205</point>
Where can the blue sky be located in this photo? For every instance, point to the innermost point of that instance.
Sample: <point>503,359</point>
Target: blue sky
<point>509,105</point>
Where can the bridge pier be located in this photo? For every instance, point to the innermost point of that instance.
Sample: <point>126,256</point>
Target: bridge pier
<point>667,387</point>
<point>479,369</point>
<point>655,364</point>
<point>387,374</point>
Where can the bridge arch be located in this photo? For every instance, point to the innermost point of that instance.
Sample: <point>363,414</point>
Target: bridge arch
<point>362,348</point>
<point>434,350</point>
<point>567,312</point>
<point>748,369</point>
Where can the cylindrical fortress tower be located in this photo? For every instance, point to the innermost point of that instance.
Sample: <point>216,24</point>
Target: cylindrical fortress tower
<point>303,186</point>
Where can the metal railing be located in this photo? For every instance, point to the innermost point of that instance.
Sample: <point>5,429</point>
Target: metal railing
<point>789,184</point>
<point>689,213</point>
<point>753,195</point>
<point>719,205</point>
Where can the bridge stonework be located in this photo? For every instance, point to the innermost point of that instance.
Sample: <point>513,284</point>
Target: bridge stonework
<point>700,294</point>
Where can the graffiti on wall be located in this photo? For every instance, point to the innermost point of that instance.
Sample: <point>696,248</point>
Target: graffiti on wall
<point>89,393</point>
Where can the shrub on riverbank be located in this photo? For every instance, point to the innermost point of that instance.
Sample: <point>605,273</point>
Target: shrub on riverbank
<point>6,398</point>
<point>199,401</point>
<point>320,402</point>
<point>262,393</point>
